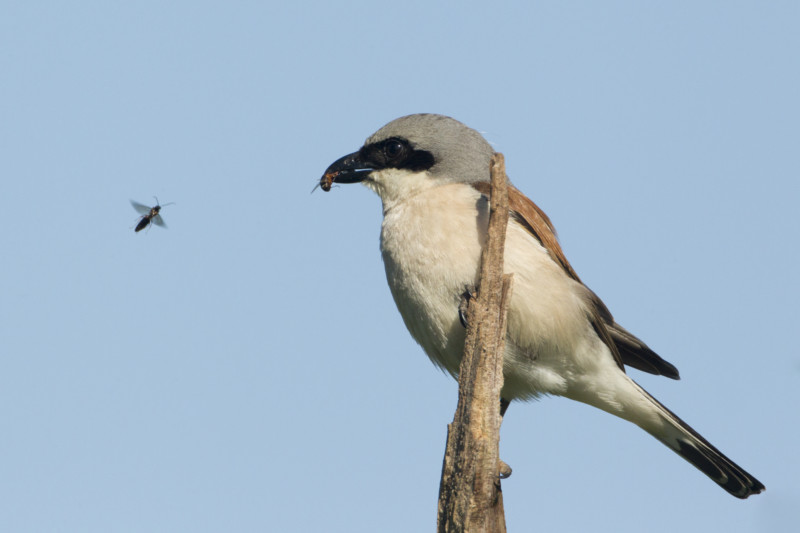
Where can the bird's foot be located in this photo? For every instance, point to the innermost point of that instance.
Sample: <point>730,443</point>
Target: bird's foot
<point>504,470</point>
<point>469,293</point>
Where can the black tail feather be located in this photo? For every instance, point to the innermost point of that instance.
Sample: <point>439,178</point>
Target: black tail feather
<point>690,445</point>
<point>719,468</point>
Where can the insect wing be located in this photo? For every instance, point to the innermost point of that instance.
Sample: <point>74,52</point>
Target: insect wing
<point>158,221</point>
<point>141,209</point>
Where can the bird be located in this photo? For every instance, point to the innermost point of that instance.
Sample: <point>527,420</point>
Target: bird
<point>432,174</point>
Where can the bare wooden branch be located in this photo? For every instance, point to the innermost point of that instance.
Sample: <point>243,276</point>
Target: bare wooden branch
<point>470,497</point>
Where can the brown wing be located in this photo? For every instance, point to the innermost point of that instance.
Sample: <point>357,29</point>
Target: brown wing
<point>635,353</point>
<point>624,346</point>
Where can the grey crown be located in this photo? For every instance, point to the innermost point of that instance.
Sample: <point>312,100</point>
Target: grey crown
<point>460,153</point>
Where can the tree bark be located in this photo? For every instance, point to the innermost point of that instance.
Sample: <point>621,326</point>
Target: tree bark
<point>470,497</point>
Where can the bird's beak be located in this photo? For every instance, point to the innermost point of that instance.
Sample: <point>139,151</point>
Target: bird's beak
<point>348,169</point>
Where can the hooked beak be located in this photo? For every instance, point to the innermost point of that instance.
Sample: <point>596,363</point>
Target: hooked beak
<point>348,169</point>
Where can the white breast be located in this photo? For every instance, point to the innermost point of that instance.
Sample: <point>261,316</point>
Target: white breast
<point>431,243</point>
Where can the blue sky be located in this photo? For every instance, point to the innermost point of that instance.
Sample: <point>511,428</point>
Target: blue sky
<point>246,369</point>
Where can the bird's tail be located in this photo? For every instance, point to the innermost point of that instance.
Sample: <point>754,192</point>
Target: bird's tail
<point>689,444</point>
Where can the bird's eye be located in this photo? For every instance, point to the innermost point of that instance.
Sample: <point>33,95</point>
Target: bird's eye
<point>393,149</point>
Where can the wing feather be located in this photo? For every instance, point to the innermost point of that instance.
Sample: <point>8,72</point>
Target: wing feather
<point>626,348</point>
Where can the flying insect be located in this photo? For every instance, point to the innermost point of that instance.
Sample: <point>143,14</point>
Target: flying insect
<point>149,215</point>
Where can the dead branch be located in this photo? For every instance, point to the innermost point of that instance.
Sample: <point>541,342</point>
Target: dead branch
<point>470,497</point>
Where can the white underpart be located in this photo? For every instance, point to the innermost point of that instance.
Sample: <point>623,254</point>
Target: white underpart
<point>431,240</point>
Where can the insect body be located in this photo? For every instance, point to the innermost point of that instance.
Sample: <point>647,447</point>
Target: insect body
<point>327,180</point>
<point>149,214</point>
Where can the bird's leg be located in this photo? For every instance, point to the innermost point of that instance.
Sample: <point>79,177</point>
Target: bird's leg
<point>503,407</point>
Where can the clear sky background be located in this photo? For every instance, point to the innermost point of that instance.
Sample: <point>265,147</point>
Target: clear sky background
<point>246,369</point>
